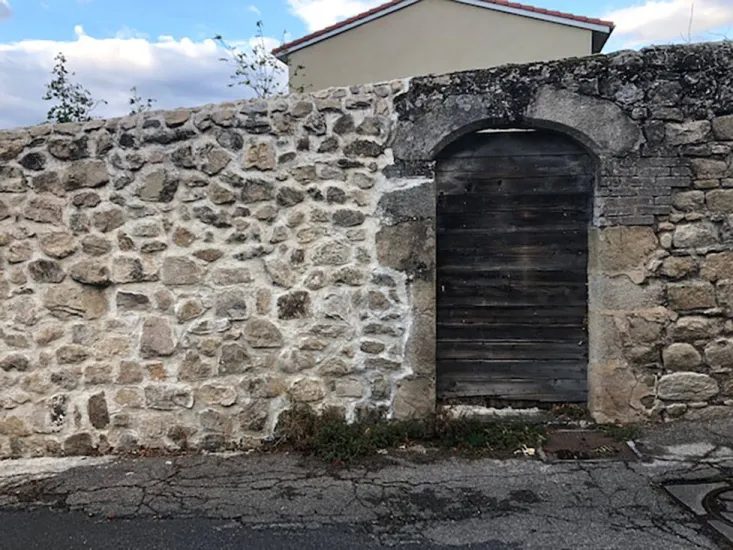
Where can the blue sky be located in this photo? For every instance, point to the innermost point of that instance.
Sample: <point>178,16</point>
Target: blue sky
<point>163,46</point>
<point>56,19</point>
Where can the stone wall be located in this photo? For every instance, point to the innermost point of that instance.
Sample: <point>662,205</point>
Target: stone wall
<point>178,279</point>
<point>660,124</point>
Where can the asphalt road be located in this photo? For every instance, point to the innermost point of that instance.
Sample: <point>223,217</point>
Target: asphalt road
<point>48,529</point>
<point>263,501</point>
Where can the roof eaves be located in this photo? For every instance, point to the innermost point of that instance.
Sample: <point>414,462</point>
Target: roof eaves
<point>285,48</point>
<point>394,5</point>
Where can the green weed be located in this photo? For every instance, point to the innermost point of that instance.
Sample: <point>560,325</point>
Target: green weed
<point>330,437</point>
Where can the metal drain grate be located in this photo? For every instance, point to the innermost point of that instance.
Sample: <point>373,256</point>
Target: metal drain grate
<point>719,505</point>
<point>710,501</point>
<point>585,445</point>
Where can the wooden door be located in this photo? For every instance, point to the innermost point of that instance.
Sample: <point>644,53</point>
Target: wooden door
<point>512,221</point>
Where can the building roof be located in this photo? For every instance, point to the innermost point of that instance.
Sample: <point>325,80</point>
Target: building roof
<point>601,29</point>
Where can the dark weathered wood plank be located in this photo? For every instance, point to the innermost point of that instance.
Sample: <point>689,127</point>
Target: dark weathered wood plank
<point>510,331</point>
<point>483,252</point>
<point>487,182</point>
<point>451,313</point>
<point>493,202</point>
<point>465,246</point>
<point>512,219</point>
<point>497,350</point>
<point>500,215</point>
<point>492,235</point>
<point>517,263</point>
<point>529,143</point>
<point>557,391</point>
<point>454,300</point>
<point>535,283</point>
<point>521,166</point>
<point>512,369</point>
<point>526,291</point>
<point>554,267</point>
<point>534,223</point>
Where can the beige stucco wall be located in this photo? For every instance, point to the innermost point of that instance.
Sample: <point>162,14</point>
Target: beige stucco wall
<point>433,37</point>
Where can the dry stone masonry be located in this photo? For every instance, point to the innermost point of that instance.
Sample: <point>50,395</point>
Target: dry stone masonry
<point>177,279</point>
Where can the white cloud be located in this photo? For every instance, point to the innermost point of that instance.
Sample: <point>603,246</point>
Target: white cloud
<point>127,32</point>
<point>657,21</point>
<point>264,43</point>
<point>175,72</point>
<point>318,14</point>
<point>254,9</point>
<point>5,10</point>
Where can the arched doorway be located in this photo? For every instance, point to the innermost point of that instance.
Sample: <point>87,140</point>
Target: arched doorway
<point>513,210</point>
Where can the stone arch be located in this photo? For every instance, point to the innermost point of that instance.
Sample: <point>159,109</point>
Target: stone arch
<point>556,124</point>
<point>588,143</point>
<point>525,124</point>
<point>429,121</point>
<point>598,124</point>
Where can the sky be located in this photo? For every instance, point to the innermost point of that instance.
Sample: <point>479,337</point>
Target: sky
<point>164,48</point>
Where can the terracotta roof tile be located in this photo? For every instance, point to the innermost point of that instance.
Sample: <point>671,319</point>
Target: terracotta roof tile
<point>554,13</point>
<point>383,7</point>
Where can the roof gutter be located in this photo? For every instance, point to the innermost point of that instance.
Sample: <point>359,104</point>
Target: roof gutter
<point>508,8</point>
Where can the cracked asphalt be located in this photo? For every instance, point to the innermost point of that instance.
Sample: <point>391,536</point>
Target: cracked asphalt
<point>401,500</point>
